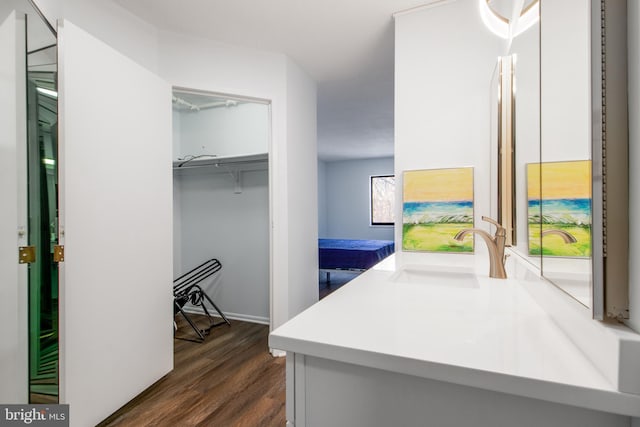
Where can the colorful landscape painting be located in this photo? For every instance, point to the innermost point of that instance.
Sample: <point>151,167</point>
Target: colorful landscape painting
<point>437,203</point>
<point>559,196</point>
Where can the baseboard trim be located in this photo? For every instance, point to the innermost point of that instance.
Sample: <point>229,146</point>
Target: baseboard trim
<point>231,316</point>
<point>277,353</point>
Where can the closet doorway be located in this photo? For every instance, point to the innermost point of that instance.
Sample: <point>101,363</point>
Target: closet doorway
<point>221,190</point>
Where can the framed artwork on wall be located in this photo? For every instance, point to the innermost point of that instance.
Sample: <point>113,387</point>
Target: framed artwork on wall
<point>437,204</point>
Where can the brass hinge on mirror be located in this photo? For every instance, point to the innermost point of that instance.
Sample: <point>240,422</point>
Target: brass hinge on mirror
<point>26,254</point>
<point>58,253</point>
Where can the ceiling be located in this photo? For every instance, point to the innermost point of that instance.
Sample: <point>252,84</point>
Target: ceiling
<point>345,45</point>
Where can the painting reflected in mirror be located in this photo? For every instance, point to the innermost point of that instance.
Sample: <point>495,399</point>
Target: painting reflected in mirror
<point>565,169</point>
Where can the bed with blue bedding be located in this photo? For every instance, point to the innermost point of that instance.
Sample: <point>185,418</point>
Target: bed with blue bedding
<point>352,255</point>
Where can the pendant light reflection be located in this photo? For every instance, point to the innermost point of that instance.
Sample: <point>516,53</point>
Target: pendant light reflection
<point>47,92</point>
<point>504,27</point>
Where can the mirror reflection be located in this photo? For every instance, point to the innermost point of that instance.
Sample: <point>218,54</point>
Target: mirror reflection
<point>33,43</point>
<point>543,144</point>
<point>42,153</point>
<point>565,167</point>
<point>515,135</point>
<point>526,50</point>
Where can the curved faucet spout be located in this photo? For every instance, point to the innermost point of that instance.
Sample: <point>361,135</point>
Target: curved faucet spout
<point>566,236</point>
<point>496,250</point>
<point>462,233</point>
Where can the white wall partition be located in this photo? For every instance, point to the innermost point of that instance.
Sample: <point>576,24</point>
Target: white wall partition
<point>233,227</point>
<point>302,196</point>
<point>322,199</point>
<point>206,65</point>
<point>565,80</point>
<point>445,57</point>
<point>116,332</point>
<point>13,277</point>
<point>236,130</point>
<point>348,199</point>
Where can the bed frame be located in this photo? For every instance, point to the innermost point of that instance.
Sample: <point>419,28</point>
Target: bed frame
<point>353,256</point>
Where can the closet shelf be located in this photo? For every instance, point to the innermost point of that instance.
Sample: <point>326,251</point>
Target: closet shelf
<point>243,162</point>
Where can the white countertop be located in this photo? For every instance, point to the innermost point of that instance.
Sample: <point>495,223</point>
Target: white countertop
<point>492,335</point>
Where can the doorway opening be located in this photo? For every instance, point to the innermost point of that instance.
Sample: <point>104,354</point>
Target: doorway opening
<point>222,191</point>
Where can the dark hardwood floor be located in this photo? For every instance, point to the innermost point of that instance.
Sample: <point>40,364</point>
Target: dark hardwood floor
<point>229,380</point>
<point>338,279</point>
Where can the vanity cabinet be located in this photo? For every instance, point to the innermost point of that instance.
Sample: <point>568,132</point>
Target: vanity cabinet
<point>334,393</point>
<point>388,351</point>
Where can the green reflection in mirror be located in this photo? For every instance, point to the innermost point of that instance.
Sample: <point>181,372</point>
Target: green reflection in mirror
<point>42,195</point>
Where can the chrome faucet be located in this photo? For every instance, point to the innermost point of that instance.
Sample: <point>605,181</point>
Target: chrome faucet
<point>566,236</point>
<point>495,245</point>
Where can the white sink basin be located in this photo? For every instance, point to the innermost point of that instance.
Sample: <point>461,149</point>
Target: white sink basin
<point>435,276</point>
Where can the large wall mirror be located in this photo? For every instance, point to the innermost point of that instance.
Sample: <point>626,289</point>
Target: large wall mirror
<point>549,144</point>
<point>565,168</point>
<point>42,195</point>
<point>515,131</point>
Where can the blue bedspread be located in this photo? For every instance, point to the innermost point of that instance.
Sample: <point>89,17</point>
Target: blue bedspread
<point>353,254</point>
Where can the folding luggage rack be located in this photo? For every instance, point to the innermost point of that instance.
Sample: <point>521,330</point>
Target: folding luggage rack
<point>186,288</point>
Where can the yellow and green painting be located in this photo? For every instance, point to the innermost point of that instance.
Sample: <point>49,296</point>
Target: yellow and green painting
<point>559,196</point>
<point>437,203</point>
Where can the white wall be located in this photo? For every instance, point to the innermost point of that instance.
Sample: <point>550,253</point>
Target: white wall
<point>176,133</point>
<point>565,80</point>
<point>444,62</point>
<point>178,268</point>
<point>21,7</point>
<point>322,199</point>
<point>348,199</point>
<point>526,47</point>
<point>216,67</point>
<point>302,197</point>
<point>201,64</point>
<point>211,66</point>
<point>225,131</point>
<point>217,223</point>
<point>633,16</point>
<point>110,23</point>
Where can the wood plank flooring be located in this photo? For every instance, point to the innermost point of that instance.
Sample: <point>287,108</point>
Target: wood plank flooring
<point>229,380</point>
<point>338,279</point>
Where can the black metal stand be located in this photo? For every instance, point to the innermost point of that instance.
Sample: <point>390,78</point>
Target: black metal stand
<point>186,289</point>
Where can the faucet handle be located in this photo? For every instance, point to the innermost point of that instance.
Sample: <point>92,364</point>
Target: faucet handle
<point>500,230</point>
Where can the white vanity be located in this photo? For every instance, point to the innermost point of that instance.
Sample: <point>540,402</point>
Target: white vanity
<point>442,344</point>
